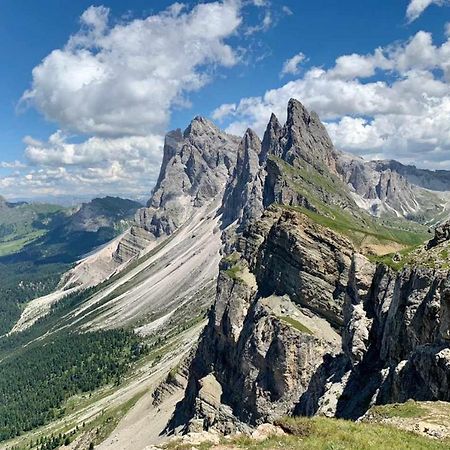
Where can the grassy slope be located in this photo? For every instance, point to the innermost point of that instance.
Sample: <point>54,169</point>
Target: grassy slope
<point>348,220</point>
<point>23,224</point>
<point>296,324</point>
<point>15,244</point>
<point>322,433</point>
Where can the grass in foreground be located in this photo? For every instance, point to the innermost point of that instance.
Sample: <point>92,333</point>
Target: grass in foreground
<point>410,409</point>
<point>321,433</point>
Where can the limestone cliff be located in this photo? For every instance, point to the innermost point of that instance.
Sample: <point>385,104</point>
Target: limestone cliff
<point>195,169</point>
<point>305,321</point>
<point>388,188</point>
<point>243,198</point>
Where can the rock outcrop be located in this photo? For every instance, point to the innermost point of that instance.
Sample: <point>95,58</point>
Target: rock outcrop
<point>303,323</point>
<point>243,199</point>
<point>301,162</point>
<point>441,234</point>
<point>196,166</point>
<point>388,188</point>
<point>303,137</point>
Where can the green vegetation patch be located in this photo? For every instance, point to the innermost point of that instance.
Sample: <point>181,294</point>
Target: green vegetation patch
<point>320,433</point>
<point>396,261</point>
<point>296,324</point>
<point>331,206</point>
<point>410,409</point>
<point>233,272</point>
<point>434,258</point>
<point>323,433</point>
<point>35,382</point>
<point>21,282</point>
<point>356,229</point>
<point>16,244</point>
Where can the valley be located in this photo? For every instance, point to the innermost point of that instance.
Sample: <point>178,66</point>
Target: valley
<point>257,288</point>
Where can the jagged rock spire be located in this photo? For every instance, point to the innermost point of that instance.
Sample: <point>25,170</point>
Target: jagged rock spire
<point>197,164</point>
<point>305,137</point>
<point>243,195</point>
<point>199,126</point>
<point>271,139</point>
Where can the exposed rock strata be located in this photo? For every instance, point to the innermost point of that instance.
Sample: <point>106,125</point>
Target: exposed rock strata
<point>347,333</point>
<point>195,169</point>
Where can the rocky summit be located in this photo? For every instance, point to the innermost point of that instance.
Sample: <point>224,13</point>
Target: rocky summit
<point>308,318</point>
<point>265,281</point>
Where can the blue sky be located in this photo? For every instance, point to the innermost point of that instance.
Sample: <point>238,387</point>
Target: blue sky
<point>111,77</point>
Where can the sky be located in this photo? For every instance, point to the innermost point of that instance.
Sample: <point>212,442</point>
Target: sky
<point>88,90</point>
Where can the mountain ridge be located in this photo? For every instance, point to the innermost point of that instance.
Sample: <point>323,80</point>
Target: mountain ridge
<point>252,360</point>
<point>316,306</point>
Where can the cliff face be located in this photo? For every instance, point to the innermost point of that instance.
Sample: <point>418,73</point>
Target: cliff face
<point>303,323</point>
<point>396,340</point>
<point>243,199</point>
<point>262,363</point>
<point>195,169</point>
<point>388,188</point>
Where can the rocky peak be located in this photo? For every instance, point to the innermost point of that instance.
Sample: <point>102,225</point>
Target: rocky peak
<point>172,145</point>
<point>271,139</point>
<point>305,137</point>
<point>199,126</point>
<point>297,115</point>
<point>382,188</point>
<point>196,167</point>
<point>243,196</point>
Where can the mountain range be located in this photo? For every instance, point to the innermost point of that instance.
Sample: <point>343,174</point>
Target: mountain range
<point>264,279</point>
<point>39,242</point>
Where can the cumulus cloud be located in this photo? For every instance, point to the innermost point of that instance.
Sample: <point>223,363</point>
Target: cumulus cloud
<point>117,83</point>
<point>402,113</point>
<point>417,7</point>
<point>12,165</point>
<point>123,79</point>
<point>292,65</point>
<point>59,151</point>
<point>224,110</point>
<point>125,165</point>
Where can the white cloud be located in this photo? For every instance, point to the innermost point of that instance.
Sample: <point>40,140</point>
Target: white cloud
<point>292,65</point>
<point>122,166</point>
<point>260,3</point>
<point>224,110</point>
<point>117,84</point>
<point>12,165</point>
<point>394,102</point>
<point>417,7</point>
<point>58,151</point>
<point>123,80</point>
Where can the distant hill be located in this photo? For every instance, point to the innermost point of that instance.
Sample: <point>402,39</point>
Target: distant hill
<point>38,242</point>
<point>22,223</point>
